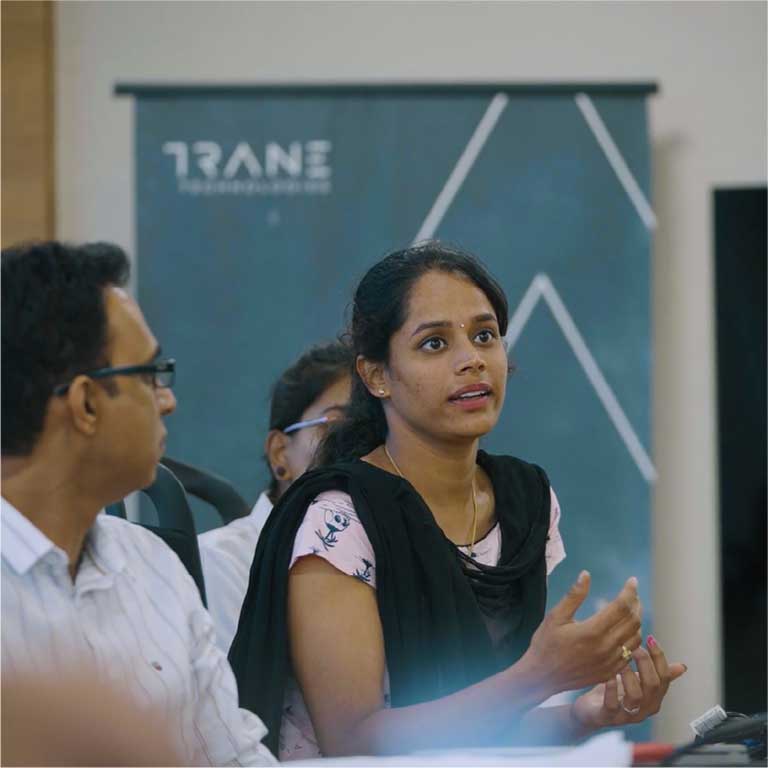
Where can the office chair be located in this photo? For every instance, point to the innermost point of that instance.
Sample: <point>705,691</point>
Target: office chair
<point>209,487</point>
<point>176,524</point>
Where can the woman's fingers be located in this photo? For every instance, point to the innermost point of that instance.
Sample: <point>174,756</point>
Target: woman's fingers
<point>627,632</point>
<point>677,670</point>
<point>652,686</point>
<point>654,675</point>
<point>611,700</point>
<point>630,636</point>
<point>651,677</point>
<point>616,646</point>
<point>625,605</point>
<point>633,690</point>
<point>659,660</point>
<point>667,672</point>
<point>631,696</point>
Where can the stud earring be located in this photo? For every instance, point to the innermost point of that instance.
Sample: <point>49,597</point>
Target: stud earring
<point>381,392</point>
<point>280,471</point>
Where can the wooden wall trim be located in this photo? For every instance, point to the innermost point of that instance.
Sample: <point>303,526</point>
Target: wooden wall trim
<point>27,120</point>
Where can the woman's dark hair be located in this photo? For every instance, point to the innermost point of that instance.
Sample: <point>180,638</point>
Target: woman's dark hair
<point>379,310</point>
<point>54,327</point>
<point>301,384</point>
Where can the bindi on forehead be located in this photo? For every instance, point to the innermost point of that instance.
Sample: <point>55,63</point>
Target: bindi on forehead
<point>442,299</point>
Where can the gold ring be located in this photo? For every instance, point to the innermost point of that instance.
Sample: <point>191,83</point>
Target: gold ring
<point>626,654</point>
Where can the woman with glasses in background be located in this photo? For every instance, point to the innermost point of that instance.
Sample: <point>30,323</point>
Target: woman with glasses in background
<point>305,399</point>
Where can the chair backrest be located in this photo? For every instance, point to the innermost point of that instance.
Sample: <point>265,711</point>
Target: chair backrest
<point>117,509</point>
<point>209,487</point>
<point>170,501</point>
<point>186,547</point>
<point>176,524</point>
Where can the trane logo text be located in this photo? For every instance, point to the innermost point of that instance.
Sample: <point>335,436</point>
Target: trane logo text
<point>211,160</point>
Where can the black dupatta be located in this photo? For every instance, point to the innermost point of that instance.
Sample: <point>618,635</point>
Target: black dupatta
<point>434,602</point>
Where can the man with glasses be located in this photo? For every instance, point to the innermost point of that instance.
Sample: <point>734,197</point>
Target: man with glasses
<point>84,394</point>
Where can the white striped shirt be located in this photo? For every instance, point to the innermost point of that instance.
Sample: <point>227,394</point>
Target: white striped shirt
<point>135,616</point>
<point>226,555</point>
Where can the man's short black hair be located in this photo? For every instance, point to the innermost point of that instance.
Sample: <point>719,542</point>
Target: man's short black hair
<point>54,326</point>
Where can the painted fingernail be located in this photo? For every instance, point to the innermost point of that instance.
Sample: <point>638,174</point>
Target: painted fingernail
<point>651,641</point>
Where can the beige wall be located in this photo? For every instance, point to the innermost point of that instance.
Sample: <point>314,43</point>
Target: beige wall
<point>27,121</point>
<point>708,128</point>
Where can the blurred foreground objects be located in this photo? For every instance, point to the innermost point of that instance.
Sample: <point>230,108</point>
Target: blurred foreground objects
<point>75,719</point>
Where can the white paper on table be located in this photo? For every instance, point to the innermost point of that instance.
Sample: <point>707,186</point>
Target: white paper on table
<point>608,750</point>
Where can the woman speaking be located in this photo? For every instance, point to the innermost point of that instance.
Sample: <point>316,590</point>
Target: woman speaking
<point>397,595</point>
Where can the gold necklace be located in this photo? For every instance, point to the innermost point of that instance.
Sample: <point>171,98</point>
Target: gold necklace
<point>474,501</point>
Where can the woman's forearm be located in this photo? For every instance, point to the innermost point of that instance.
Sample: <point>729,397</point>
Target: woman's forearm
<point>481,715</point>
<point>542,726</point>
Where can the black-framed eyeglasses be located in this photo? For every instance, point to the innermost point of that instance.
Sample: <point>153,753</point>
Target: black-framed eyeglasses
<point>308,423</point>
<point>163,373</point>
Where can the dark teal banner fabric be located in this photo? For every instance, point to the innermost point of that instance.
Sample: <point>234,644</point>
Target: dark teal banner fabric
<point>259,210</point>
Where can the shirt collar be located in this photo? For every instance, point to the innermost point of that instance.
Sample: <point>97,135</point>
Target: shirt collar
<point>23,544</point>
<point>102,543</point>
<point>261,509</point>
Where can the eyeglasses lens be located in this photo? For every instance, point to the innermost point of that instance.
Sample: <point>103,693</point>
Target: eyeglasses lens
<point>164,379</point>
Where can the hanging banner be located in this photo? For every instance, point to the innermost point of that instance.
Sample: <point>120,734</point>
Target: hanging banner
<point>258,210</point>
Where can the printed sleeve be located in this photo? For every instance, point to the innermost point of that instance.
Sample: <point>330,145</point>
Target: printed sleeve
<point>332,530</point>
<point>555,551</point>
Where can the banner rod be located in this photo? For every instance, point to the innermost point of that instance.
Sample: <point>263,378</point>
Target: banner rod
<point>379,88</point>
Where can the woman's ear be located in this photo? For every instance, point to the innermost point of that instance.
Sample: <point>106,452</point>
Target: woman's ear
<point>276,449</point>
<point>373,376</point>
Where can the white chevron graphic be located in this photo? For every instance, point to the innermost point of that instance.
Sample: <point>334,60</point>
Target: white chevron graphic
<point>463,166</point>
<point>541,287</point>
<point>616,160</point>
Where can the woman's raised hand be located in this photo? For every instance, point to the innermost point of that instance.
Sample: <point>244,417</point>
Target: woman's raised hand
<point>572,654</point>
<point>629,697</point>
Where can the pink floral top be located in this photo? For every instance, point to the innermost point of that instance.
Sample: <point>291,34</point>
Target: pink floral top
<point>332,530</point>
